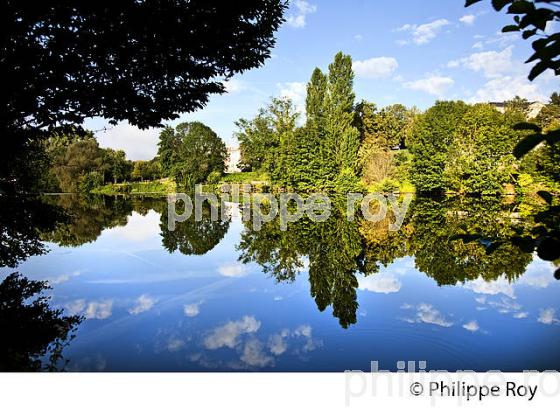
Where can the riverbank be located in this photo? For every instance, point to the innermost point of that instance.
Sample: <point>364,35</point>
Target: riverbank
<point>162,186</point>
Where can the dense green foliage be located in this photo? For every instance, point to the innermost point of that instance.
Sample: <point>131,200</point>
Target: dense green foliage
<point>190,153</point>
<point>140,61</point>
<point>342,146</point>
<point>431,139</point>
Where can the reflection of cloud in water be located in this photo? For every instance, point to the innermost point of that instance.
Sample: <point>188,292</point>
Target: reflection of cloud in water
<point>426,313</point>
<point>228,334</point>
<point>500,285</point>
<point>175,344</point>
<point>471,326</point>
<point>504,306</point>
<point>143,304</point>
<point>548,316</point>
<point>192,310</point>
<point>63,278</point>
<point>254,354</point>
<point>253,351</point>
<point>380,283</point>
<point>93,310</point>
<point>138,227</point>
<point>232,270</point>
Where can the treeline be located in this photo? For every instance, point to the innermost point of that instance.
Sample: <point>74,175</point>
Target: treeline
<point>189,154</point>
<point>342,146</point>
<point>76,163</point>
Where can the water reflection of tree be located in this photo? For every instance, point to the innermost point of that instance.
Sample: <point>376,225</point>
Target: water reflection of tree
<point>21,220</point>
<point>438,233</point>
<point>33,334</point>
<point>193,237</point>
<point>459,240</point>
<point>87,217</point>
<point>333,249</point>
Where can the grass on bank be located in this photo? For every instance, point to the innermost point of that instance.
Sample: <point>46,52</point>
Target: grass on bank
<point>245,178</point>
<point>162,186</point>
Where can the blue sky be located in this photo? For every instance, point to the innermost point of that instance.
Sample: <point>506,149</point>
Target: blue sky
<point>409,51</point>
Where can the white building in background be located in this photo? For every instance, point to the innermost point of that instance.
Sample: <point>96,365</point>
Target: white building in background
<point>234,156</point>
<point>535,108</point>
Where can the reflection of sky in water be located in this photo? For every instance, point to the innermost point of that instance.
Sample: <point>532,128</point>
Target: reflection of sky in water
<point>147,309</point>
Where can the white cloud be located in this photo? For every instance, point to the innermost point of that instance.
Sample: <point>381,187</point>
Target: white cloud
<point>500,285</point>
<point>192,310</point>
<point>138,227</point>
<point>174,345</point>
<point>358,37</point>
<point>63,278</point>
<point>75,307</point>
<point>471,326</point>
<point>468,19</point>
<point>521,315</point>
<point>303,330</point>
<point>254,355</point>
<point>548,316</point>
<point>232,270</point>
<point>507,87</point>
<point>378,67</point>
<point>424,33</point>
<point>296,92</point>
<point>227,335</point>
<point>435,85</point>
<point>277,344</point>
<point>99,310</point>
<point>233,86</point>
<point>505,305</point>
<point>491,63</point>
<point>138,144</point>
<point>426,313</point>
<point>302,9</point>
<point>143,304</point>
<point>479,45</point>
<point>379,284</point>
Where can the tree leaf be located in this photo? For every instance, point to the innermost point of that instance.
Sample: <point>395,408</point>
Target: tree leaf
<point>537,70</point>
<point>521,7</point>
<point>547,196</point>
<point>527,144</point>
<point>510,28</point>
<point>522,126</point>
<point>471,2</point>
<point>500,4</point>
<point>529,33</point>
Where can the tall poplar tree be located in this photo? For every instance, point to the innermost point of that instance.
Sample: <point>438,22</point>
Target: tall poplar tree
<point>342,138</point>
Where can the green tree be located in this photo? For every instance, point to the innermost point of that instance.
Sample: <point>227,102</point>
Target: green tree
<point>75,161</point>
<point>258,142</point>
<point>480,158</point>
<point>342,138</point>
<point>197,151</point>
<point>430,140</point>
<point>116,166</point>
<point>68,61</point>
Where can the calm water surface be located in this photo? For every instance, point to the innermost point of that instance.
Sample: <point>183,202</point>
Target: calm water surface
<point>218,296</point>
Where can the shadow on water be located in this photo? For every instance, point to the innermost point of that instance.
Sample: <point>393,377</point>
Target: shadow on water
<point>451,240</point>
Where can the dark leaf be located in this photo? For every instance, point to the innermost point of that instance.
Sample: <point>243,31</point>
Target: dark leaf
<point>529,33</point>
<point>537,70</point>
<point>510,28</point>
<point>549,249</point>
<point>500,4</point>
<point>547,196</point>
<point>522,126</point>
<point>527,144</point>
<point>521,7</point>
<point>471,2</point>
